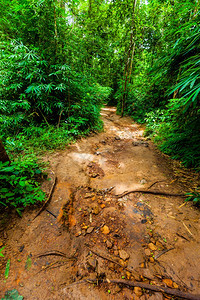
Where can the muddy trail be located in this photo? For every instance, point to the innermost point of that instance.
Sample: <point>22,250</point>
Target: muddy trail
<point>92,230</point>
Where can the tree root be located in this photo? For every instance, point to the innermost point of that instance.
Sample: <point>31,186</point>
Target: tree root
<point>163,252</point>
<point>169,291</point>
<point>57,253</point>
<point>155,288</point>
<point>151,192</point>
<point>48,198</point>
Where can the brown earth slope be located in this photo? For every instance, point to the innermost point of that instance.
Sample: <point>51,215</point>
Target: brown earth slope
<point>89,231</point>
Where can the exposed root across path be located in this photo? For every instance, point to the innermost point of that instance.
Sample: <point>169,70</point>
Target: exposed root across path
<point>115,209</point>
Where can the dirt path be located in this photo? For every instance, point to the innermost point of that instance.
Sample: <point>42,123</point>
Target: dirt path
<point>149,238</point>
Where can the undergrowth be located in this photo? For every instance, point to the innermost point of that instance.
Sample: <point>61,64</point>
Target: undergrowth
<point>20,182</point>
<point>176,134</point>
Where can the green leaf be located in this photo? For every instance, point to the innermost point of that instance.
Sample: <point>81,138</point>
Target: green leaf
<point>12,295</point>
<point>7,269</point>
<point>28,263</point>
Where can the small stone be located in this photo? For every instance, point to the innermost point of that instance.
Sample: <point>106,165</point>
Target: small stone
<point>92,263</point>
<point>156,296</point>
<point>168,282</point>
<point>105,229</point>
<point>147,274</point>
<point>90,229</point>
<point>109,244</point>
<point>142,265</point>
<point>123,255</point>
<point>116,252</point>
<point>78,233</point>
<point>138,291</point>
<point>95,209</point>
<point>128,275</point>
<point>143,181</point>
<point>111,266</point>
<point>175,285</point>
<point>152,247</point>
<point>151,259</point>
<point>89,195</point>
<point>153,240</point>
<point>116,289</point>
<point>147,252</point>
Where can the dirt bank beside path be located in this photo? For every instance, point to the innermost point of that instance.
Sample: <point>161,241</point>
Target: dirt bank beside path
<point>90,232</point>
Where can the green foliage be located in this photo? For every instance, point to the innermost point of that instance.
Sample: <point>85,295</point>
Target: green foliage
<point>7,270</point>
<point>1,249</point>
<point>194,196</point>
<point>175,133</point>
<point>12,295</point>
<point>29,93</point>
<point>19,185</point>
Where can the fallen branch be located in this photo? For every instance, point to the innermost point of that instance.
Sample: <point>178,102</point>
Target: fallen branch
<point>48,198</point>
<point>150,192</point>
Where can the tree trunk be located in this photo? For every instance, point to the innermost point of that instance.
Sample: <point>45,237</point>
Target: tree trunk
<point>129,64</point>
<point>3,155</point>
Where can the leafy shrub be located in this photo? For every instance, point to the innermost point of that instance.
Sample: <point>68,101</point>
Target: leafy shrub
<point>174,137</point>
<point>34,92</point>
<point>194,196</point>
<point>19,185</point>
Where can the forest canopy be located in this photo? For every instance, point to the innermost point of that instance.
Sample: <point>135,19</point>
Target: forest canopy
<point>61,60</point>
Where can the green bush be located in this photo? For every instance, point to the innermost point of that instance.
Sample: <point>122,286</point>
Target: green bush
<point>179,139</point>
<point>19,184</point>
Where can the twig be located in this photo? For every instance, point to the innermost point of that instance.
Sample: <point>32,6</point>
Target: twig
<point>56,253</point>
<point>183,237</point>
<point>187,229</point>
<point>106,257</point>
<point>51,213</point>
<point>163,252</point>
<point>48,198</point>
<point>155,183</point>
<point>182,204</point>
<point>150,192</point>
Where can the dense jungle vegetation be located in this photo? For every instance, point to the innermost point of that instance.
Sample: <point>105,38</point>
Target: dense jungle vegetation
<point>60,61</point>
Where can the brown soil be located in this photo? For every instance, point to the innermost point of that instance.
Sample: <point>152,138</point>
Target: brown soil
<point>131,235</point>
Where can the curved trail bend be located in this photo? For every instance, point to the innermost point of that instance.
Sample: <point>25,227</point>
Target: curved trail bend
<point>144,237</point>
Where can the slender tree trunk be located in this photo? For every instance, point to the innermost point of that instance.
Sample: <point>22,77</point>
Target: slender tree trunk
<point>3,155</point>
<point>129,64</point>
